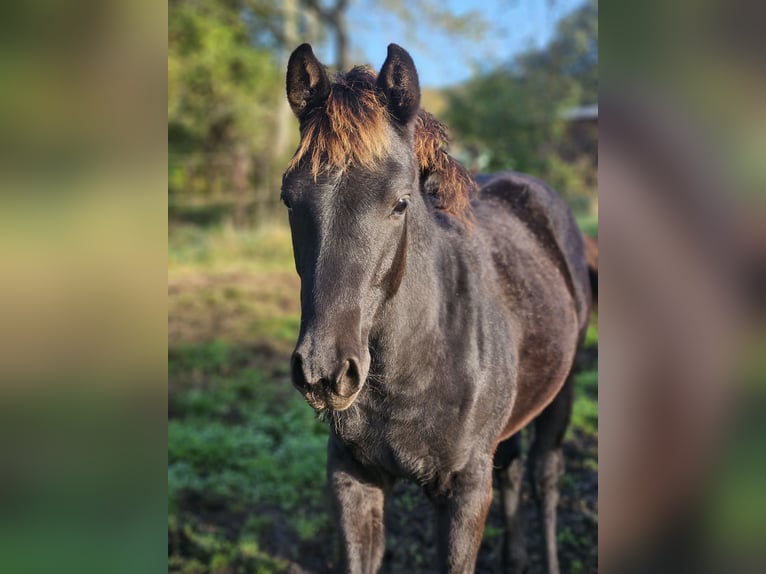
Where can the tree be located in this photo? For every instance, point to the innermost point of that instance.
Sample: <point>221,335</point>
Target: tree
<point>229,126</point>
<point>222,90</point>
<point>411,13</point>
<point>511,117</point>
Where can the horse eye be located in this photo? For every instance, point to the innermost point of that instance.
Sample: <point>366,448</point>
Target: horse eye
<point>401,205</point>
<point>287,203</point>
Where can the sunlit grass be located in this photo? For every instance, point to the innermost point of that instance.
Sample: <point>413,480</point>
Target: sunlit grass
<point>245,453</point>
<point>266,248</point>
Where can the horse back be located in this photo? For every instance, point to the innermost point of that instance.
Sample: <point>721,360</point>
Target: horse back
<point>541,275</point>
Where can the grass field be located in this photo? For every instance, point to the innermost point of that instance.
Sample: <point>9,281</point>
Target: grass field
<point>246,455</point>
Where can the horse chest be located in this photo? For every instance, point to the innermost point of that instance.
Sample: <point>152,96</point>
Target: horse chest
<point>411,443</point>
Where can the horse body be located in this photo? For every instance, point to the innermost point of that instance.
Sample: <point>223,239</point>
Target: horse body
<point>482,306</point>
<point>544,283</point>
<point>427,340</point>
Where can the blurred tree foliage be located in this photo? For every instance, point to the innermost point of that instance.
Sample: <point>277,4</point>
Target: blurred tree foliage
<point>513,117</point>
<point>224,85</point>
<point>230,130</point>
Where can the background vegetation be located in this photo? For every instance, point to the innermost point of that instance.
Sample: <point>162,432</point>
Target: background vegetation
<point>246,455</point>
<point>230,131</point>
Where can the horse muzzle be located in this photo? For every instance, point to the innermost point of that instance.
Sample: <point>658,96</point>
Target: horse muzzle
<point>334,388</point>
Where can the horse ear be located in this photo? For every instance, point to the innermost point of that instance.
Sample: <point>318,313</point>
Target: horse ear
<point>307,82</point>
<point>398,80</point>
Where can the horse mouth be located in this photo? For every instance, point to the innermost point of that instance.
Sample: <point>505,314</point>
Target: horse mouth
<point>329,401</point>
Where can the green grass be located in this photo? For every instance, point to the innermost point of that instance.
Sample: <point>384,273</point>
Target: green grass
<point>244,452</point>
<point>585,407</point>
<point>267,248</point>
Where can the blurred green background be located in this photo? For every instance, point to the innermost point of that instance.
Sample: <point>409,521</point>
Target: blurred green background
<point>246,455</point>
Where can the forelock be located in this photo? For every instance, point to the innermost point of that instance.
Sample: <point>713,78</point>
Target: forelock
<point>350,129</point>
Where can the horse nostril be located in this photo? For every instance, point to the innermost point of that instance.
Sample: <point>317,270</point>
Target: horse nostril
<point>349,380</point>
<point>346,381</point>
<point>353,371</point>
<point>298,376</point>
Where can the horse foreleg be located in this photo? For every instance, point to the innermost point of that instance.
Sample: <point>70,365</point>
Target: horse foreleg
<point>461,512</point>
<point>547,461</point>
<point>358,500</point>
<point>509,468</point>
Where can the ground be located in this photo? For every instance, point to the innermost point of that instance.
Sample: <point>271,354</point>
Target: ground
<point>246,455</point>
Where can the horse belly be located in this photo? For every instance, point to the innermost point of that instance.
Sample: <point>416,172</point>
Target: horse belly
<point>546,330</point>
<point>545,359</point>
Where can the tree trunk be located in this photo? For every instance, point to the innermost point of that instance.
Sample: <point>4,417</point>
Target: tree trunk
<point>284,114</point>
<point>334,18</point>
<point>239,179</point>
<point>341,41</point>
<point>338,18</point>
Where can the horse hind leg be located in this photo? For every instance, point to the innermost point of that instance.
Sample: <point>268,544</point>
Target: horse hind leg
<point>509,469</point>
<point>547,466</point>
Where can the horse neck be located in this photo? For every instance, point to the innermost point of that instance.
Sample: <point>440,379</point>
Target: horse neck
<point>412,322</point>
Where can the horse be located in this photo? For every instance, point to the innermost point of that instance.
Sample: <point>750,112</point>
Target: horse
<point>437,318</point>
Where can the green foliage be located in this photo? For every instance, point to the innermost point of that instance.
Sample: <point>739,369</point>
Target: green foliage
<point>250,465</point>
<point>585,408</point>
<point>492,532</point>
<point>589,225</point>
<point>222,93</point>
<point>208,359</point>
<point>574,178</point>
<point>567,69</point>
<point>587,381</point>
<point>591,335</point>
<point>566,536</point>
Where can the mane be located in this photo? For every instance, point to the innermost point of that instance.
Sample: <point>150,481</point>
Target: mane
<point>453,184</point>
<point>351,129</point>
